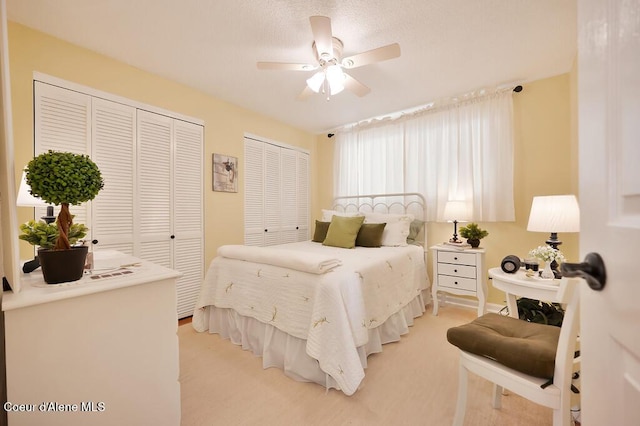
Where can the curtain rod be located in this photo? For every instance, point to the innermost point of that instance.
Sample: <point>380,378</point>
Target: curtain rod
<point>412,111</point>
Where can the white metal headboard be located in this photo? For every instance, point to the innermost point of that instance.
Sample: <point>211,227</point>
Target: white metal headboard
<point>396,203</point>
<point>400,203</point>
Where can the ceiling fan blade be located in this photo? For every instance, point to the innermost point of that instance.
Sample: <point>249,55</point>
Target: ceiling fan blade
<point>370,56</point>
<point>285,66</point>
<point>355,86</point>
<point>321,29</point>
<point>306,93</point>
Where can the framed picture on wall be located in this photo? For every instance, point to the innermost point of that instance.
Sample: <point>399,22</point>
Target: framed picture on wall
<point>225,173</point>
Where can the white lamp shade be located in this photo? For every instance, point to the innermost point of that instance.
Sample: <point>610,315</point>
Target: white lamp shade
<point>554,213</point>
<point>458,210</point>
<point>336,78</point>
<point>25,199</point>
<point>315,81</point>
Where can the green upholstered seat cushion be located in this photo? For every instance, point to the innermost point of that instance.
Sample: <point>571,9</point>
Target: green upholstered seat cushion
<point>343,231</point>
<point>370,235</point>
<point>320,232</point>
<point>524,346</point>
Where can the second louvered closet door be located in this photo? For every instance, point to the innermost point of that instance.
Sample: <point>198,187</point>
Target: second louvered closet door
<point>113,151</point>
<point>155,190</point>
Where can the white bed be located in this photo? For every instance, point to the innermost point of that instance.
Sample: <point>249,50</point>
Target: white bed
<point>316,319</point>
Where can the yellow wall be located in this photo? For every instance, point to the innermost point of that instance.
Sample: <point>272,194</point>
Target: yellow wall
<point>545,158</point>
<point>225,124</point>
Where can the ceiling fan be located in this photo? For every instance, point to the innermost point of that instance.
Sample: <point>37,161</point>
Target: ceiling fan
<point>330,78</point>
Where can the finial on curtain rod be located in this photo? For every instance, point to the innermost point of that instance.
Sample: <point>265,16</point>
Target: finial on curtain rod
<point>517,89</point>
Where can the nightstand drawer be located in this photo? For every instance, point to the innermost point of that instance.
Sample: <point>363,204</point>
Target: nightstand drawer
<point>457,282</point>
<point>457,270</point>
<point>457,258</point>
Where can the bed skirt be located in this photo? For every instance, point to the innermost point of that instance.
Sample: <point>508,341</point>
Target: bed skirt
<point>281,350</point>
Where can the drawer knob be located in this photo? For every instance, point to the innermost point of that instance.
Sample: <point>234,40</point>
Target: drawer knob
<point>455,270</point>
<point>455,258</point>
<point>455,282</point>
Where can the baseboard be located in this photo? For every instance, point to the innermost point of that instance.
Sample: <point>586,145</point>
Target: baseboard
<point>463,302</point>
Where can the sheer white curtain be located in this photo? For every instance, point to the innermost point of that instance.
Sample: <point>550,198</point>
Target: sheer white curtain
<point>462,151</point>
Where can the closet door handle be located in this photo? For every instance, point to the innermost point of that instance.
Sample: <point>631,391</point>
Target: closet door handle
<point>173,237</point>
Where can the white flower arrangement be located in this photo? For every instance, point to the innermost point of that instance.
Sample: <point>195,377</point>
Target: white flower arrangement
<point>547,254</point>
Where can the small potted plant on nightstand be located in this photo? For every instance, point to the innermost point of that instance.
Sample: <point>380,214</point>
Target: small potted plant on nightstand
<point>473,234</point>
<point>63,178</point>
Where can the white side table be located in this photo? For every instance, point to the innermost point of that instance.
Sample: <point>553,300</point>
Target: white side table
<point>520,285</point>
<point>460,272</point>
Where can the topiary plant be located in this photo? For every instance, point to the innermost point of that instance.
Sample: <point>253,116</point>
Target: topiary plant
<point>63,178</point>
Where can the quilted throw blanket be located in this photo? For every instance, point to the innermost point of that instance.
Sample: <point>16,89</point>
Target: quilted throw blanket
<point>314,263</point>
<point>332,311</point>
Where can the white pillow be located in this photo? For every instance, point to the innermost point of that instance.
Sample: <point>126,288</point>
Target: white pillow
<point>397,230</point>
<point>328,214</point>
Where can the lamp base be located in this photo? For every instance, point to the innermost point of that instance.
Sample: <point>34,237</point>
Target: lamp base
<point>31,265</point>
<point>553,240</point>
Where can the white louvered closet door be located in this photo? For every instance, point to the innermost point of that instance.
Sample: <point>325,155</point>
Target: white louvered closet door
<point>253,193</point>
<point>187,213</point>
<point>154,200</point>
<point>113,150</point>
<point>302,191</point>
<point>289,197</point>
<point>272,195</point>
<point>62,122</point>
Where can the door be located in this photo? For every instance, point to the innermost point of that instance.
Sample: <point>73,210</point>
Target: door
<point>253,193</point>
<point>113,143</point>
<point>188,227</point>
<point>609,145</point>
<point>155,190</point>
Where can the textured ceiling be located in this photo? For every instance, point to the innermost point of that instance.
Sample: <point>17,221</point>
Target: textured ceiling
<point>449,47</point>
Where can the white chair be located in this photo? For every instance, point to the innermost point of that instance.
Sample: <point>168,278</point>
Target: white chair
<point>557,394</point>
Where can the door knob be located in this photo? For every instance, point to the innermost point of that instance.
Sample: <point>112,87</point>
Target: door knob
<point>592,270</point>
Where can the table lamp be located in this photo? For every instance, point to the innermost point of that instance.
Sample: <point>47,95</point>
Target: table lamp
<point>553,214</point>
<point>25,199</point>
<point>456,211</point>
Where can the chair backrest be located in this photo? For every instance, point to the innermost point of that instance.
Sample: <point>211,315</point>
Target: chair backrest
<point>569,296</point>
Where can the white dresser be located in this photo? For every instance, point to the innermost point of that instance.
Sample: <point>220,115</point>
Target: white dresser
<point>459,272</point>
<point>99,351</point>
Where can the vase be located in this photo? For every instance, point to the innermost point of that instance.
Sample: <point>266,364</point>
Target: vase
<point>61,266</point>
<point>547,272</point>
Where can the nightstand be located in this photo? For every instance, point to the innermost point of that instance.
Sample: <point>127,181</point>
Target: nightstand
<point>459,271</point>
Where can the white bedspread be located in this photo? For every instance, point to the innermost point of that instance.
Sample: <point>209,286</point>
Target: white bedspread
<point>332,311</point>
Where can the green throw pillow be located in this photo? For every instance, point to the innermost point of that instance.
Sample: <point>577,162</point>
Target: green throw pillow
<point>343,231</point>
<point>321,231</point>
<point>370,235</point>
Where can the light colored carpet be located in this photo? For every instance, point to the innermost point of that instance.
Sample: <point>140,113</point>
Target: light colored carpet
<point>412,382</point>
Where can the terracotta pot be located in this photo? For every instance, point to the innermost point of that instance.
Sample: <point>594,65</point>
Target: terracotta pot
<point>61,266</point>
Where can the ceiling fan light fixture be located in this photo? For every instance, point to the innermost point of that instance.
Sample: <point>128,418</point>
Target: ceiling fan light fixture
<point>315,81</point>
<point>335,78</point>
